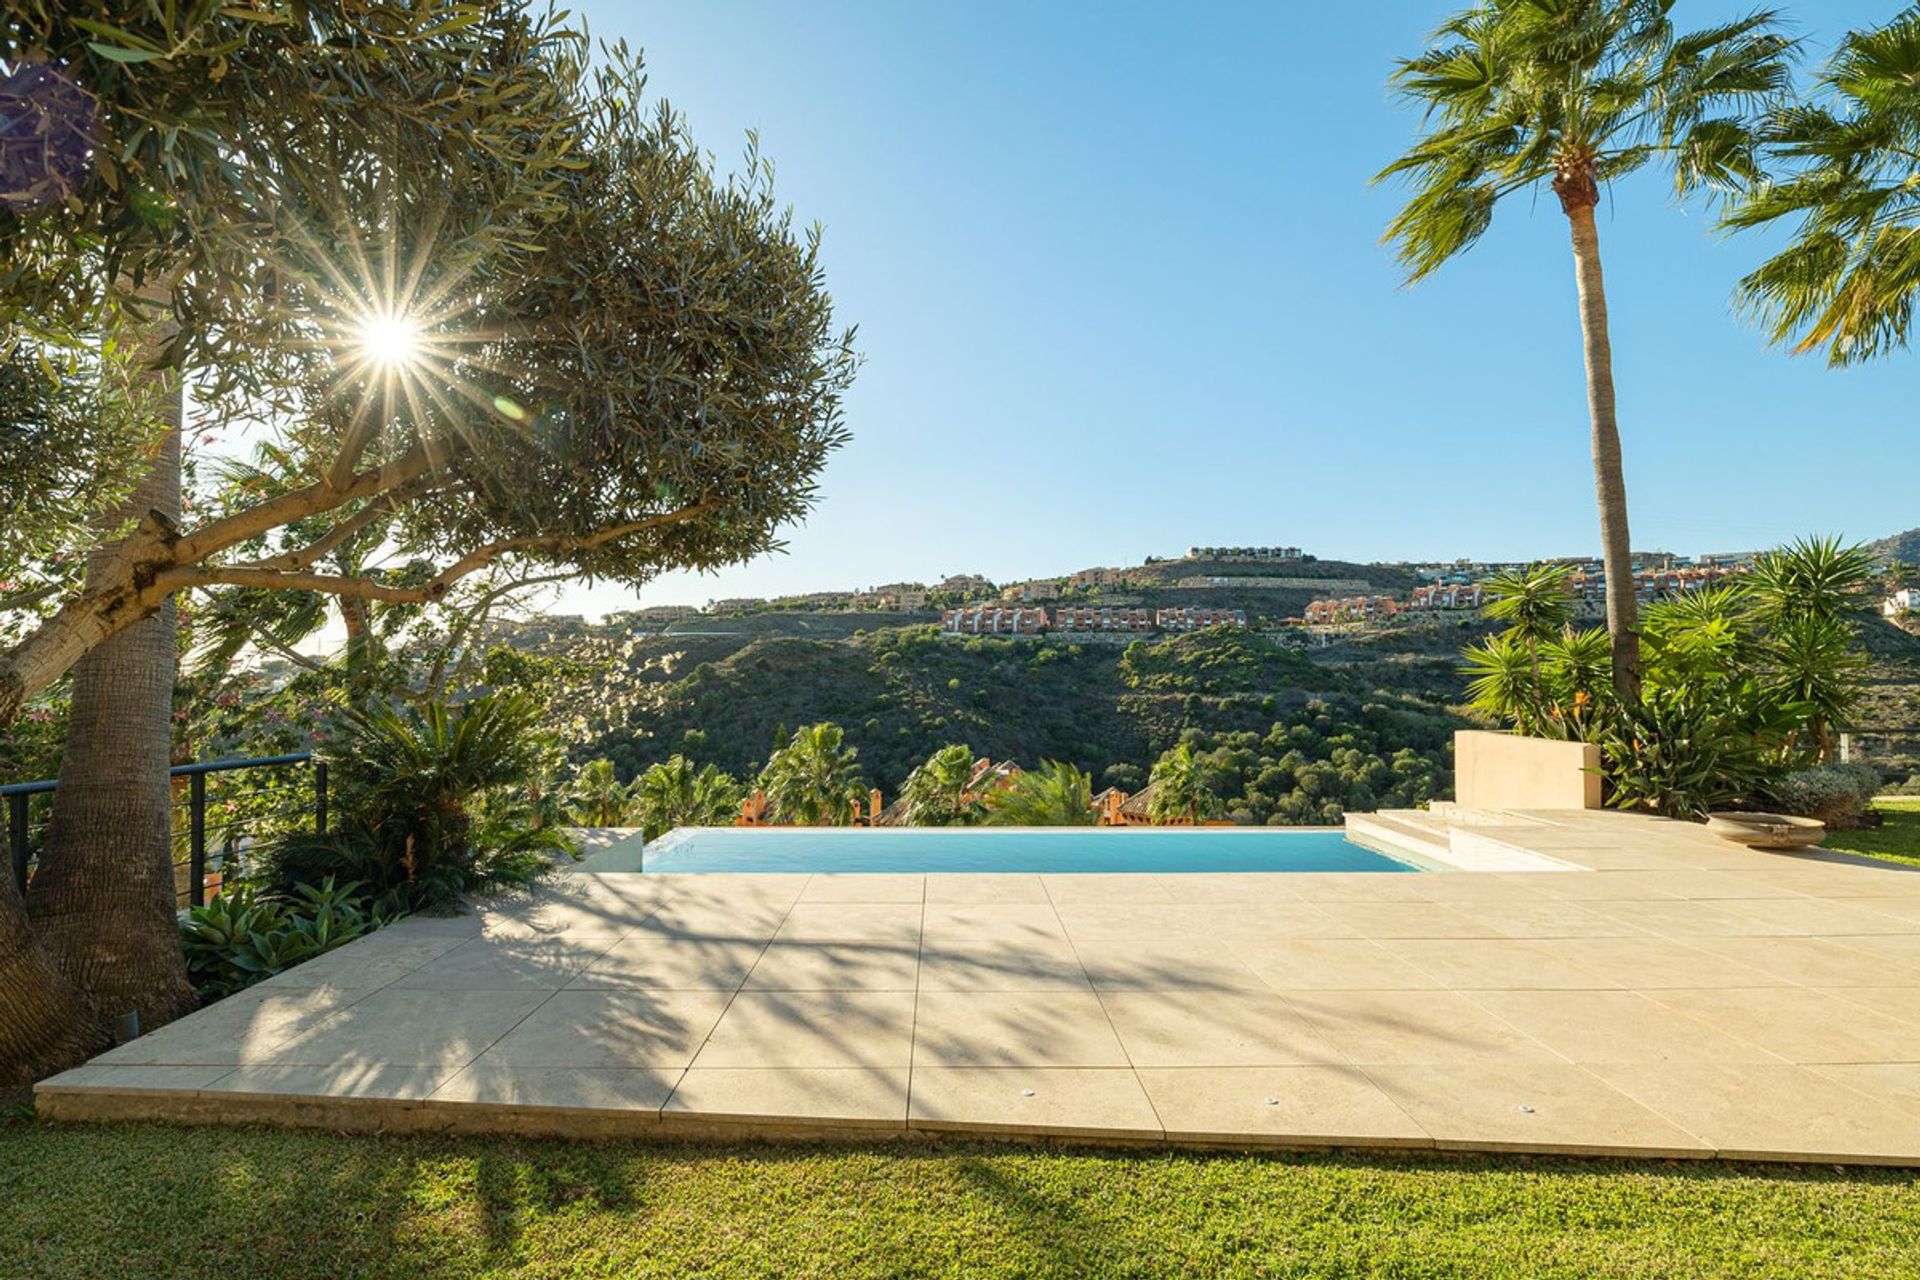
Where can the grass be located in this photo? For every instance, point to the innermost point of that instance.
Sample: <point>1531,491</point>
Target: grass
<point>1896,839</point>
<point>86,1201</point>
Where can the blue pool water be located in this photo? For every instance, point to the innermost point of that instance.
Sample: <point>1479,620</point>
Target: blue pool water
<point>1160,849</point>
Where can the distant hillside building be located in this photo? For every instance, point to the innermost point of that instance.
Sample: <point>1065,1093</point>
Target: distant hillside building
<point>898,597</point>
<point>1245,553</point>
<point>655,615</point>
<point>1200,619</point>
<point>1040,589</point>
<point>964,585</point>
<point>1107,620</point>
<point>736,604</point>
<point>1901,603</point>
<point>992,620</point>
<point>1447,595</point>
<point>1100,577</point>
<point>1351,609</point>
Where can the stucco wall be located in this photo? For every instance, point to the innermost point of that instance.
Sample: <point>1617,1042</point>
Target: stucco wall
<point>1506,771</point>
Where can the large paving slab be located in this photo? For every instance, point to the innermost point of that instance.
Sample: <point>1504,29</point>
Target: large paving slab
<point>1659,993</point>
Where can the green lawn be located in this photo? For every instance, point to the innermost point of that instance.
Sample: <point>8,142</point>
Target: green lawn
<point>180,1202</point>
<point>1897,839</point>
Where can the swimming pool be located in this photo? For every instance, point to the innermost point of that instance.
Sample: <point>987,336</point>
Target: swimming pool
<point>1033,850</point>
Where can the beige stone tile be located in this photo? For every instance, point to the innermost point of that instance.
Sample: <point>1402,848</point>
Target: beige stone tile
<point>1097,1102</point>
<point>1163,922</point>
<point>813,1029</point>
<point>1122,887</point>
<point>1546,1107</point>
<point>1331,964</point>
<point>1549,919</point>
<point>731,888</point>
<point>1006,923</point>
<point>1710,885</point>
<point>1228,888</point>
<point>1650,963</point>
<point>1684,918</point>
<point>1469,888</point>
<point>1615,1026</point>
<point>1415,1028</point>
<point>335,1080</point>
<point>1152,964</point>
<point>1894,1083</point>
<point>613,1029</point>
<point>863,1096</point>
<point>1758,1111</point>
<point>1837,876</point>
<point>364,965</point>
<point>748,921</point>
<point>1799,1024</point>
<point>1215,1029</point>
<point>409,1028</point>
<point>832,966</point>
<point>1600,886</point>
<point>1813,962</point>
<point>1894,1002</point>
<point>1001,966</point>
<point>489,1081</point>
<point>1901,908</point>
<point>136,1079</point>
<point>1356,887</point>
<point>985,887</point>
<point>1006,1029</point>
<point>671,963</point>
<point>1483,964</point>
<point>510,964</point>
<point>1902,949</point>
<point>1823,917</point>
<point>1286,1106</point>
<point>854,922</point>
<point>241,1028</point>
<point>1406,920</point>
<point>865,888</point>
<point>1274,921</point>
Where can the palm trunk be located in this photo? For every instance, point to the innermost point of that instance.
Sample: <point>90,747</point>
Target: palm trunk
<point>1610,485</point>
<point>103,899</point>
<point>43,1026</point>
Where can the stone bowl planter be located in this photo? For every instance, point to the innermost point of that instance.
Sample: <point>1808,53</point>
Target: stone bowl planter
<point>1767,830</point>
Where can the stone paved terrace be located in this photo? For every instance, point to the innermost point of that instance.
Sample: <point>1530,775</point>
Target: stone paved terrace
<point>1679,996</point>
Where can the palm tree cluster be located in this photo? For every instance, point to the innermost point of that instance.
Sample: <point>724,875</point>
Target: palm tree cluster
<point>1741,681</point>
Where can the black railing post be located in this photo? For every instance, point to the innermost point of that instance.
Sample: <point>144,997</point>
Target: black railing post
<point>320,797</point>
<point>17,836</point>
<point>197,840</point>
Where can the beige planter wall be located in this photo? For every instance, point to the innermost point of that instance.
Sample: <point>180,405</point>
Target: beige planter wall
<point>1507,771</point>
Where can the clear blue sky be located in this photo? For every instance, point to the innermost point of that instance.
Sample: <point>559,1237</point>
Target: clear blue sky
<point>1119,288</point>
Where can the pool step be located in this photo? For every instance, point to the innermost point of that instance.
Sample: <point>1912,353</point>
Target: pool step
<point>1446,843</point>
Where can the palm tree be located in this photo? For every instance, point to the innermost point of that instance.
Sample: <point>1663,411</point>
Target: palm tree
<point>1054,795</point>
<point>1570,95</point>
<point>940,794</point>
<point>1849,279</point>
<point>599,798</point>
<point>1179,788</point>
<point>814,780</point>
<point>673,794</point>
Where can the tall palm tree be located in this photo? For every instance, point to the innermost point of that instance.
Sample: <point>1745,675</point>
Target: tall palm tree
<point>815,779</point>
<point>940,793</point>
<point>1849,279</point>
<point>599,798</point>
<point>1054,795</point>
<point>1180,788</point>
<point>1569,95</point>
<point>673,794</point>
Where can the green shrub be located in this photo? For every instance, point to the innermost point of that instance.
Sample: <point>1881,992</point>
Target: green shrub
<point>242,937</point>
<point>1836,794</point>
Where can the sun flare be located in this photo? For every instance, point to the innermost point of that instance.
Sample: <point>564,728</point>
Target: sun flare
<point>389,341</point>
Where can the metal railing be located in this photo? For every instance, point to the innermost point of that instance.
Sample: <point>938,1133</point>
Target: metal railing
<point>241,818</point>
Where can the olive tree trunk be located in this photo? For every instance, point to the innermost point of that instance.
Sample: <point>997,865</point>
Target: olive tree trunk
<point>1610,485</point>
<point>103,899</point>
